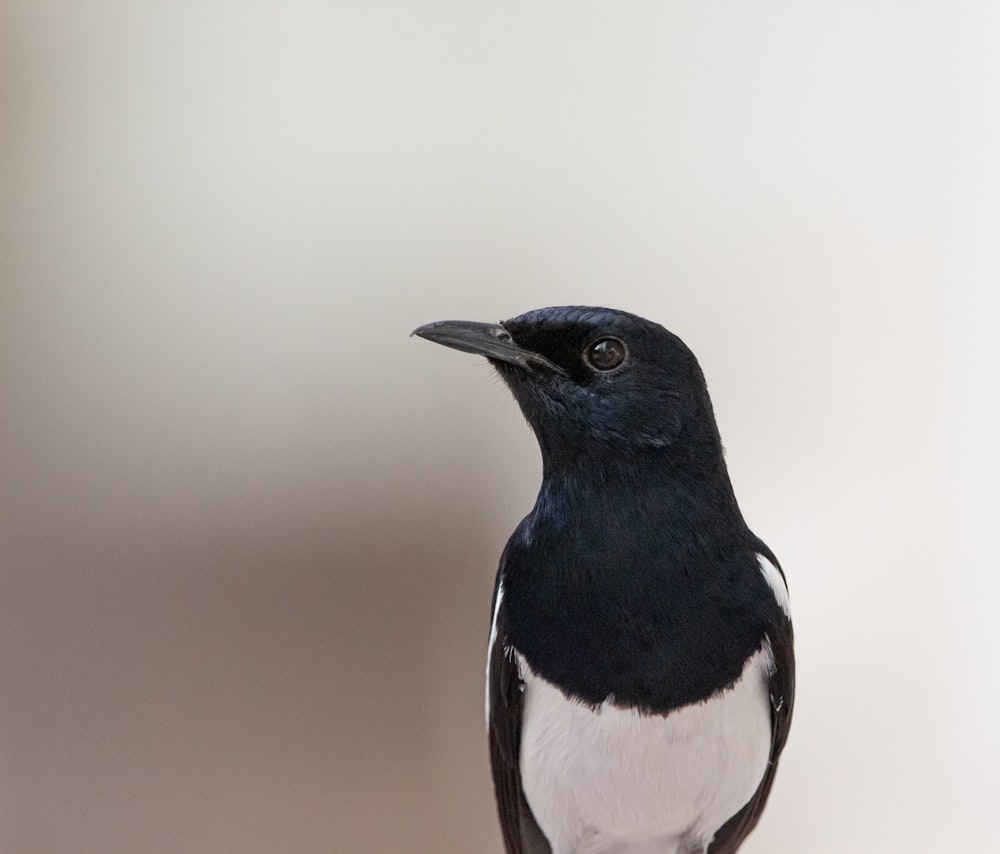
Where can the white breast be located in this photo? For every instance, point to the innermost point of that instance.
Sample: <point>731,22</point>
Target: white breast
<point>613,781</point>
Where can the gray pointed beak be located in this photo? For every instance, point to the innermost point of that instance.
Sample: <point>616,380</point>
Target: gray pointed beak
<point>485,339</point>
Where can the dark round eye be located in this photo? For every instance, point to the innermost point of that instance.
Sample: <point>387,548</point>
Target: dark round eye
<point>605,354</point>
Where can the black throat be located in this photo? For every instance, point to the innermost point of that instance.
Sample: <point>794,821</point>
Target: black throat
<point>629,580</point>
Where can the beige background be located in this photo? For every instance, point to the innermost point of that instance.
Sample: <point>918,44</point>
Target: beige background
<point>248,528</point>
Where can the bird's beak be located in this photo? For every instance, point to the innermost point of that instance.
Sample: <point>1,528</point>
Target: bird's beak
<point>485,339</point>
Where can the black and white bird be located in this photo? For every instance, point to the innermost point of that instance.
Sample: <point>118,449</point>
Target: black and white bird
<point>640,673</point>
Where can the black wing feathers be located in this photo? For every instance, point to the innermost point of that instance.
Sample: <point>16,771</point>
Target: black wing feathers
<point>521,834</point>
<point>782,689</point>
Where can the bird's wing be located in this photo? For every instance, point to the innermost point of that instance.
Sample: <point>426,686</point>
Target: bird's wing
<point>521,834</point>
<point>781,685</point>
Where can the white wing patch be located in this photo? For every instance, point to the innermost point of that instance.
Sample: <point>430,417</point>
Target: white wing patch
<point>489,649</point>
<point>777,584</point>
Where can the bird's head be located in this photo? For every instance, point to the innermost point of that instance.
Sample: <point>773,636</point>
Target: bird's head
<point>594,381</point>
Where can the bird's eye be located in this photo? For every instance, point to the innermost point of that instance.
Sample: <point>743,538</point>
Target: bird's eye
<point>605,354</point>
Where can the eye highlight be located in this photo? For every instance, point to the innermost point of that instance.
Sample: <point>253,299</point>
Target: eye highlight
<point>605,354</point>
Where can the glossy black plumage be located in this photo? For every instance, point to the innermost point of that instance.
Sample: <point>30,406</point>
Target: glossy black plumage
<point>634,577</point>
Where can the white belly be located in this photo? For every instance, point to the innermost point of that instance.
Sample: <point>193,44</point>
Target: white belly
<point>613,781</point>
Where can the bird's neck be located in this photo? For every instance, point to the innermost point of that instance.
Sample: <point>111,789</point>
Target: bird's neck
<point>605,499</point>
<point>660,483</point>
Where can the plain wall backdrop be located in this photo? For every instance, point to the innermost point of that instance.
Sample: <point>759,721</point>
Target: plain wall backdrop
<point>248,528</point>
